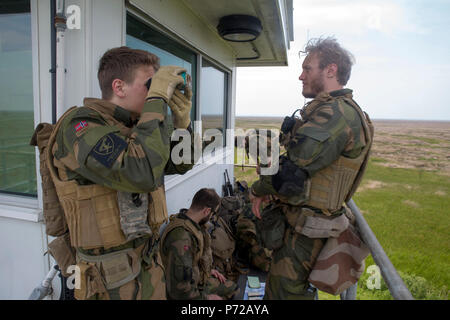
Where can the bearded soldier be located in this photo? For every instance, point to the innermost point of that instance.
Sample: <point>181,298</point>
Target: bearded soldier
<point>107,160</point>
<point>326,154</point>
<point>187,256</point>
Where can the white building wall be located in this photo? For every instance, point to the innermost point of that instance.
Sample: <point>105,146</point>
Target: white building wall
<point>22,262</point>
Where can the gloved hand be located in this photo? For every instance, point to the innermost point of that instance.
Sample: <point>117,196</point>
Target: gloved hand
<point>290,179</point>
<point>181,104</point>
<point>165,81</point>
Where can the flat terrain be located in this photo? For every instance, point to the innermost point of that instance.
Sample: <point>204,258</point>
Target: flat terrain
<point>404,197</point>
<point>413,145</point>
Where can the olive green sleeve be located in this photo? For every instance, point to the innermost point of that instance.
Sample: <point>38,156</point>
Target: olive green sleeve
<point>331,131</point>
<point>178,252</point>
<point>102,154</point>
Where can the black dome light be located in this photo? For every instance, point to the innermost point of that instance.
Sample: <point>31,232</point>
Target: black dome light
<point>239,28</point>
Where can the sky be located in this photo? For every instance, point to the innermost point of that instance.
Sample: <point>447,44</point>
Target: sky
<point>402,53</point>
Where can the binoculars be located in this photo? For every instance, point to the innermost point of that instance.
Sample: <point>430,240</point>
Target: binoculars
<point>180,86</point>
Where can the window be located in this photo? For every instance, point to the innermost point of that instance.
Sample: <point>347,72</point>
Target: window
<point>170,52</point>
<point>213,98</point>
<point>17,157</point>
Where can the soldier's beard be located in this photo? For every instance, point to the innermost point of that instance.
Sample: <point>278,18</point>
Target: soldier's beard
<point>316,87</point>
<point>205,220</point>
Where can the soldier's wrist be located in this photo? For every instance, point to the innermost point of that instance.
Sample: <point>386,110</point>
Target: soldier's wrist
<point>155,105</point>
<point>156,97</point>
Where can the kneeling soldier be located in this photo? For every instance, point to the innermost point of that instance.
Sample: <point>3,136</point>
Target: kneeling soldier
<point>186,253</point>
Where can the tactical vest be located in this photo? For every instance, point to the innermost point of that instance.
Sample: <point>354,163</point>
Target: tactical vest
<point>222,245</point>
<point>92,211</point>
<point>202,260</point>
<point>330,187</point>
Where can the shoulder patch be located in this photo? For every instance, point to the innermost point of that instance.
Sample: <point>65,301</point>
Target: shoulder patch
<point>108,149</point>
<point>79,126</point>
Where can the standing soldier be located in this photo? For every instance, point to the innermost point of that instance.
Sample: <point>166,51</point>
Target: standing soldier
<point>186,253</point>
<point>326,155</point>
<point>107,160</point>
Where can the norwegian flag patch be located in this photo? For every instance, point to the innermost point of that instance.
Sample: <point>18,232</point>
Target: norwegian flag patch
<point>81,125</point>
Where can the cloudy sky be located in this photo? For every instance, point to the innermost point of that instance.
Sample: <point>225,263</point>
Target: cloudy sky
<point>402,52</point>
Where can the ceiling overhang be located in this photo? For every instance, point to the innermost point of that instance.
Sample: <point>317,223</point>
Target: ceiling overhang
<point>270,48</point>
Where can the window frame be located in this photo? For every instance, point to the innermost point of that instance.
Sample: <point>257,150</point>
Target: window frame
<point>28,207</point>
<point>145,18</point>
<point>178,44</point>
<point>227,96</point>
<point>173,180</point>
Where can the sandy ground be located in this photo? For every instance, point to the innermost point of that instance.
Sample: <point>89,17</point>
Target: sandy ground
<point>413,144</point>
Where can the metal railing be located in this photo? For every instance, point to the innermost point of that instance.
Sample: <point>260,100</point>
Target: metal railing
<point>395,284</point>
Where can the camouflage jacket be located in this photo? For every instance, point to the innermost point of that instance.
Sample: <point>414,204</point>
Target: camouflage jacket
<point>101,144</point>
<point>186,267</point>
<point>332,129</point>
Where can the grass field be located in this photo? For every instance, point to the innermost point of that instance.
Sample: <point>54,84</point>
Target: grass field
<point>405,199</point>
<point>17,157</point>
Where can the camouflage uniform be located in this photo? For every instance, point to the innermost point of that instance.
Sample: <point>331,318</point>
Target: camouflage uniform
<point>330,128</point>
<point>187,257</point>
<point>100,144</point>
<point>249,244</point>
<point>223,244</point>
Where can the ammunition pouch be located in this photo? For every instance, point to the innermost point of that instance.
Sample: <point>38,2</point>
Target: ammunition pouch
<point>107,271</point>
<point>133,214</point>
<point>272,226</point>
<point>315,225</point>
<point>63,253</point>
<point>91,282</point>
<point>324,227</point>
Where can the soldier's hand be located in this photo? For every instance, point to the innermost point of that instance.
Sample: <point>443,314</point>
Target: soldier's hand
<point>213,297</point>
<point>256,203</point>
<point>165,81</point>
<point>181,104</point>
<point>218,275</point>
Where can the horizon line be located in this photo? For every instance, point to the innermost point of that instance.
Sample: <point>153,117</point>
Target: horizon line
<point>389,119</point>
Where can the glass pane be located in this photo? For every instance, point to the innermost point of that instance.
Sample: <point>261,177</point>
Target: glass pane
<point>213,97</point>
<point>141,36</point>
<point>17,157</point>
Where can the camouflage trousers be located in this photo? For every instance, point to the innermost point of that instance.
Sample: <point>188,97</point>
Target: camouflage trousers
<point>291,266</point>
<point>248,243</point>
<point>225,290</point>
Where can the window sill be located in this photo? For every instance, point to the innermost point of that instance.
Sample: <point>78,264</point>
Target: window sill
<point>20,207</point>
<point>20,213</point>
<point>173,180</point>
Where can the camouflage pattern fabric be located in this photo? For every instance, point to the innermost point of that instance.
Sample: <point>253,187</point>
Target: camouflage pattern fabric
<point>133,214</point>
<point>331,128</point>
<point>148,285</point>
<point>290,268</point>
<point>225,290</point>
<point>112,150</point>
<point>249,244</point>
<point>104,144</point>
<point>340,262</point>
<point>183,277</point>
<point>223,244</point>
